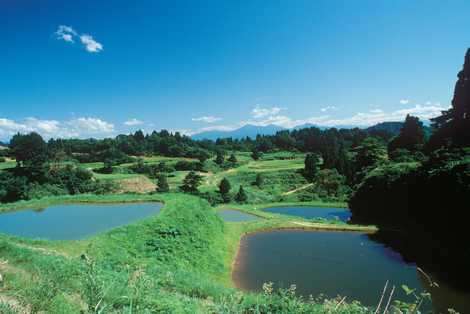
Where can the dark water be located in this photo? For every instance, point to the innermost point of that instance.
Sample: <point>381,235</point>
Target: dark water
<point>333,263</point>
<point>73,221</point>
<point>342,214</point>
<point>236,216</point>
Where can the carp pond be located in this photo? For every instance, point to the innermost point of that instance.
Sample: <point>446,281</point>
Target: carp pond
<point>308,212</point>
<point>335,263</point>
<point>73,221</point>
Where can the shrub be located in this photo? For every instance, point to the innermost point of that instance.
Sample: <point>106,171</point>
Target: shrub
<point>162,184</point>
<point>241,196</point>
<point>43,190</point>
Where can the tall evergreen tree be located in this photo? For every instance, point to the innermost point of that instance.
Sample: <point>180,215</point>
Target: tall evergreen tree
<point>191,182</point>
<point>411,136</point>
<point>233,159</point>
<point>219,159</point>
<point>255,154</point>
<point>224,189</point>
<point>241,196</point>
<point>259,181</point>
<point>452,128</point>
<point>162,184</point>
<point>310,169</point>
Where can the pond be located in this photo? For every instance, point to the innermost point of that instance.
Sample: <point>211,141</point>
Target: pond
<point>232,215</point>
<point>332,263</point>
<point>73,221</point>
<point>308,212</point>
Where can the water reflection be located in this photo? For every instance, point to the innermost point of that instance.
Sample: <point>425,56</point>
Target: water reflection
<point>307,212</point>
<point>334,263</point>
<point>73,221</point>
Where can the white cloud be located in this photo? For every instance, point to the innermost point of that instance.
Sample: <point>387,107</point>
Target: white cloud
<point>259,112</point>
<point>47,128</point>
<point>328,108</point>
<point>65,33</point>
<point>9,127</point>
<point>360,119</point>
<point>91,45</point>
<point>43,126</point>
<point>133,122</point>
<point>404,101</point>
<point>424,112</point>
<point>207,119</point>
<point>91,126</point>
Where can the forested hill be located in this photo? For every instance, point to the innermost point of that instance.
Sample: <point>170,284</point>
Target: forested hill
<point>428,191</point>
<point>392,127</point>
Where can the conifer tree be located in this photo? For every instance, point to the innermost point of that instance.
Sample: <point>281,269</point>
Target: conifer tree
<point>162,184</point>
<point>241,196</point>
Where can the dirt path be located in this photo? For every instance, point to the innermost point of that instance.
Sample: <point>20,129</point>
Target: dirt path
<point>139,184</point>
<point>41,250</point>
<point>303,187</point>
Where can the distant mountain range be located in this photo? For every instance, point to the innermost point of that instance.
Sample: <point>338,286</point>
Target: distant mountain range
<point>245,131</point>
<point>253,130</point>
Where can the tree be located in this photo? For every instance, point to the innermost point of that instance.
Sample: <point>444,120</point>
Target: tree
<point>162,184</point>
<point>30,152</point>
<point>139,136</point>
<point>452,128</point>
<point>220,158</point>
<point>310,169</point>
<point>329,181</point>
<point>259,181</point>
<point>369,153</point>
<point>191,182</point>
<point>411,136</point>
<point>202,155</point>
<point>108,166</point>
<point>161,167</point>
<point>241,196</point>
<point>255,154</point>
<point>224,189</point>
<point>233,159</point>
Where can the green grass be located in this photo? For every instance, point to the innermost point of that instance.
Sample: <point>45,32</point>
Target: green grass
<point>281,171</point>
<point>115,176</point>
<point>176,262</point>
<point>7,164</point>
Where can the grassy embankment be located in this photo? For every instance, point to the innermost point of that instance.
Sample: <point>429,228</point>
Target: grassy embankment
<point>176,262</point>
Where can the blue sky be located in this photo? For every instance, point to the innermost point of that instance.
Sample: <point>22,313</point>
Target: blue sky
<point>98,68</point>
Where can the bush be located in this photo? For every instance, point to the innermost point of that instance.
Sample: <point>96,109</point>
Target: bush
<point>78,180</point>
<point>39,191</point>
<point>184,165</point>
<point>12,187</point>
<point>3,159</point>
<point>330,183</point>
<point>162,184</point>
